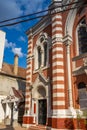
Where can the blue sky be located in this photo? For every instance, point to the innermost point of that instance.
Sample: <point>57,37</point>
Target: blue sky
<point>16,39</point>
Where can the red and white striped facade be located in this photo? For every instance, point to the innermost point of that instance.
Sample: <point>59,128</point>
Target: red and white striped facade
<point>55,84</point>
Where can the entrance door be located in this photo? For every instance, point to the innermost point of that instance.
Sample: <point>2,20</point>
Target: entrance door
<point>42,111</point>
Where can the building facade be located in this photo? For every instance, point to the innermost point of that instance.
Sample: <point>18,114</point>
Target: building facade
<point>56,89</point>
<point>12,88</point>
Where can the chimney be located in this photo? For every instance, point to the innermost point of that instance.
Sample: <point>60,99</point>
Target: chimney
<point>16,64</point>
<point>2,46</point>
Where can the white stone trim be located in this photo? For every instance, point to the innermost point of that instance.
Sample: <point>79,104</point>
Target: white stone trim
<point>56,16</point>
<point>57,49</point>
<point>58,86</point>
<point>30,40</point>
<point>29,50</point>
<point>27,105</point>
<point>28,76</point>
<point>58,71</point>
<point>29,71</point>
<point>29,45</point>
<point>59,103</point>
<point>64,129</point>
<point>28,65</point>
<point>57,56</point>
<point>59,78</point>
<point>61,94</point>
<point>57,43</point>
<point>57,35</point>
<point>27,99</point>
<point>65,113</point>
<point>57,63</point>
<point>57,29</point>
<point>57,23</point>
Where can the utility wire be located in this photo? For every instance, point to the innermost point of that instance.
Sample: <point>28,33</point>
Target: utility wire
<point>26,20</point>
<point>39,12</point>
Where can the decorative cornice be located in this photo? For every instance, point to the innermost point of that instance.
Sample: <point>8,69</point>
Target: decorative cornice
<point>43,23</point>
<point>79,57</point>
<point>67,40</point>
<point>80,70</point>
<point>57,39</point>
<point>42,78</point>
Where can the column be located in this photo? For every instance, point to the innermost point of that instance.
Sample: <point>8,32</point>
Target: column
<point>58,89</point>
<point>29,73</point>
<point>67,41</point>
<point>28,119</point>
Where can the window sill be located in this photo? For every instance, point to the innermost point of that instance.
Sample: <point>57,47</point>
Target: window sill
<point>79,57</point>
<point>40,69</point>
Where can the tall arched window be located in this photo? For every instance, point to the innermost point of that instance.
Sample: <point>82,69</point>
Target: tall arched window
<point>39,57</point>
<point>45,54</point>
<point>82,95</point>
<point>41,51</point>
<point>82,36</point>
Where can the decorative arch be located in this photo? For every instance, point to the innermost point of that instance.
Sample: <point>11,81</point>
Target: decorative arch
<point>39,92</point>
<point>42,42</point>
<point>70,21</point>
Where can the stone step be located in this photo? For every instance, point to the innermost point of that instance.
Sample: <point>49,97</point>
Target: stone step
<point>37,127</point>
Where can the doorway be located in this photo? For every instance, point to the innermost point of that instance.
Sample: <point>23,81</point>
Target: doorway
<point>42,111</point>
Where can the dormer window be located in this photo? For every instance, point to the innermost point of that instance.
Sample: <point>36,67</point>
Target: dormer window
<point>82,36</point>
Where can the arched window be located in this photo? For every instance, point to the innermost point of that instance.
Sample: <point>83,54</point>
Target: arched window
<point>41,51</point>
<point>39,57</point>
<point>81,85</point>
<point>82,36</point>
<point>82,95</point>
<point>45,54</point>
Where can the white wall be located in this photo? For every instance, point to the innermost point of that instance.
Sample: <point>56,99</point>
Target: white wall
<point>2,44</point>
<point>6,84</point>
<point>2,114</point>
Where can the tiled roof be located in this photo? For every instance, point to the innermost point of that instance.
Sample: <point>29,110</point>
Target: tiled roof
<point>8,69</point>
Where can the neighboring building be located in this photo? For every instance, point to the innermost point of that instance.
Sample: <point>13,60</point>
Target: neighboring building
<point>12,89</point>
<point>56,89</point>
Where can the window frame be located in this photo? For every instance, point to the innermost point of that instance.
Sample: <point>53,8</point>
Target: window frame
<point>41,41</point>
<point>77,39</point>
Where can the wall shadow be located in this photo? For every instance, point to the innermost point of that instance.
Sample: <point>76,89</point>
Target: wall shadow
<point>21,105</point>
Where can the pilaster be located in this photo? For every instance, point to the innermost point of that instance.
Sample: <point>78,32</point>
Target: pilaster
<point>28,118</point>
<point>67,42</point>
<point>58,92</point>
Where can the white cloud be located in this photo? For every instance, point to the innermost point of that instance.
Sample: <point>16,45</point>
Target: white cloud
<point>32,6</point>
<point>21,38</point>
<point>18,51</point>
<point>9,44</point>
<point>14,49</point>
<point>9,9</point>
<point>15,8</point>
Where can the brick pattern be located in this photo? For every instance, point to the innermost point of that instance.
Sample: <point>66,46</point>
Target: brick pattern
<point>29,74</point>
<point>58,96</point>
